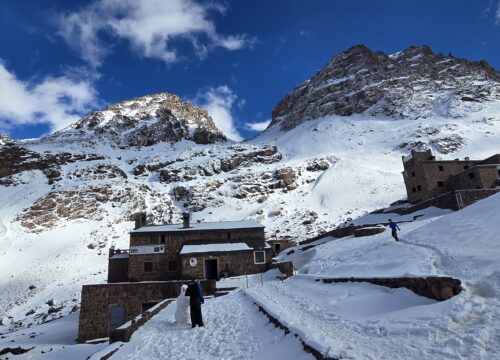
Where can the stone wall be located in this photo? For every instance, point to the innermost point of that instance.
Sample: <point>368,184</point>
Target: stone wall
<point>160,267</point>
<point>235,263</point>
<point>433,287</point>
<point>124,332</point>
<point>369,231</point>
<point>97,299</point>
<point>286,268</point>
<point>118,270</point>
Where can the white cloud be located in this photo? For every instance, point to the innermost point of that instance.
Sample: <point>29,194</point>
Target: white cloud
<point>149,26</point>
<point>497,15</point>
<point>56,101</point>
<point>258,126</point>
<point>219,103</point>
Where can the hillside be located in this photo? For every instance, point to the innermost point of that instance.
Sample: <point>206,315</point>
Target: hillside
<point>68,197</point>
<point>347,321</point>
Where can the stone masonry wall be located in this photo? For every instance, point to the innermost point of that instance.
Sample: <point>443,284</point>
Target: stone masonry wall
<point>118,270</point>
<point>97,299</point>
<point>433,287</point>
<point>235,263</point>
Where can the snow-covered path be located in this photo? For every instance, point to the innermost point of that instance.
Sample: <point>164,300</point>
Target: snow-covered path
<point>234,330</point>
<point>364,321</point>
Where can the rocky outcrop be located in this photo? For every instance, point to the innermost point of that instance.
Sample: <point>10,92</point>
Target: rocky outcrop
<point>413,83</point>
<point>90,203</point>
<point>146,121</point>
<point>15,159</point>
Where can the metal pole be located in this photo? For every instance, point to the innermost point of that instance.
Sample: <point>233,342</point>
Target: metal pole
<point>261,281</point>
<point>247,280</point>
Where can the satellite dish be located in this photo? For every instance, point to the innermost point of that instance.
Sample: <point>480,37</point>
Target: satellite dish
<point>193,262</point>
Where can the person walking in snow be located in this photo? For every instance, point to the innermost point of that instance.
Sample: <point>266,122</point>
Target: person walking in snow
<point>182,310</point>
<point>195,301</point>
<point>394,228</point>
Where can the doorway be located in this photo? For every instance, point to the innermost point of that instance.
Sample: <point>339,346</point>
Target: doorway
<point>277,248</point>
<point>211,269</point>
<point>116,316</point>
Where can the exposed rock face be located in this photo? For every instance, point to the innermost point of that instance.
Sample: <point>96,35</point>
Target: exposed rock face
<point>146,121</point>
<point>412,83</point>
<point>90,204</point>
<point>15,159</point>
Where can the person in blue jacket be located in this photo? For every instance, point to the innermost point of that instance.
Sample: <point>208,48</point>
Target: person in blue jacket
<point>394,227</point>
<point>195,300</point>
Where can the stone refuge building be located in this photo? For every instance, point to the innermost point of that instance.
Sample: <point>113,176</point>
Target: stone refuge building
<point>426,178</point>
<point>208,250</point>
<point>159,258</point>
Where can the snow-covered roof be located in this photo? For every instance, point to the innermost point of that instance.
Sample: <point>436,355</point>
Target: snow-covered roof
<point>191,249</point>
<point>120,256</point>
<point>221,225</point>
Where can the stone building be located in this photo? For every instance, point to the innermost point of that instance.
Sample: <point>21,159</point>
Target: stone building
<point>426,178</point>
<point>203,250</point>
<point>159,258</point>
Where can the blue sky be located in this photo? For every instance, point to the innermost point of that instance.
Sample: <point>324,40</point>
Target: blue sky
<point>62,59</point>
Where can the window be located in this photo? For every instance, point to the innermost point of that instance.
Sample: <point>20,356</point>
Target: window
<point>228,235</point>
<point>441,168</point>
<point>162,239</point>
<point>172,265</point>
<point>157,249</point>
<point>471,175</point>
<point>259,257</point>
<point>498,172</point>
<point>466,167</point>
<point>440,183</point>
<point>413,174</point>
<point>153,239</point>
<point>414,190</point>
<point>419,187</point>
<point>148,266</point>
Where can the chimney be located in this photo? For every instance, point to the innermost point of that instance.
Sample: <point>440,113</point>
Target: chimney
<point>467,158</point>
<point>185,220</point>
<point>140,220</point>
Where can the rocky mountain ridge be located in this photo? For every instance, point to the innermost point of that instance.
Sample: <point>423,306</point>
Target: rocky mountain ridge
<point>413,83</point>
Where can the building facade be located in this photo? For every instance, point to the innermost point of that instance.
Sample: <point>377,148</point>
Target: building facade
<point>181,251</point>
<point>426,177</point>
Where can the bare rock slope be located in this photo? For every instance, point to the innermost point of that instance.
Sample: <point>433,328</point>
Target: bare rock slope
<point>414,83</point>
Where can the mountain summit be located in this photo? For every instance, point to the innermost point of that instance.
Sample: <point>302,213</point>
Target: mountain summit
<point>146,121</point>
<point>412,83</point>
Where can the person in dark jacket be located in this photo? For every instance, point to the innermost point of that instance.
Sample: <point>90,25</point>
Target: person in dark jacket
<point>195,301</point>
<point>394,228</point>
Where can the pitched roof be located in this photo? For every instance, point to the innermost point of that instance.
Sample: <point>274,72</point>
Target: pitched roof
<point>221,225</point>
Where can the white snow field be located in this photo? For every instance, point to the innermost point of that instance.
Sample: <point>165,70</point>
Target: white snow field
<point>362,321</point>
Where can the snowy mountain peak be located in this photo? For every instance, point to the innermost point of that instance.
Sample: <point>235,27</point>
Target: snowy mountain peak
<point>413,83</point>
<point>4,140</point>
<point>146,121</point>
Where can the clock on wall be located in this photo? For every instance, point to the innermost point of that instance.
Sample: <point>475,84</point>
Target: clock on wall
<point>193,262</point>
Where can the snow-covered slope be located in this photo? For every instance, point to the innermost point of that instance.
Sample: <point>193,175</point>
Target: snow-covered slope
<point>66,198</point>
<point>361,321</point>
<point>346,320</point>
